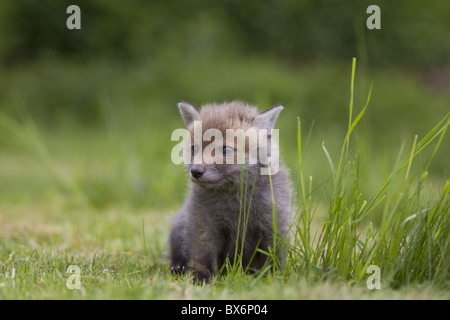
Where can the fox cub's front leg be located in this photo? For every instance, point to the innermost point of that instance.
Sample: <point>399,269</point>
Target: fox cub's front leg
<point>179,246</point>
<point>204,256</point>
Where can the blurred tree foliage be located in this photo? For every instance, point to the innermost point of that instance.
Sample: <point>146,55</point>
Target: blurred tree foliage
<point>412,32</point>
<point>150,54</point>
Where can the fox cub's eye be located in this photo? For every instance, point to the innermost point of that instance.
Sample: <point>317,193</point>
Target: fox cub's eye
<point>194,150</point>
<point>227,150</point>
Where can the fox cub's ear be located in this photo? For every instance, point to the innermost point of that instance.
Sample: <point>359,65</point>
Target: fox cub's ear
<point>267,119</point>
<point>189,113</point>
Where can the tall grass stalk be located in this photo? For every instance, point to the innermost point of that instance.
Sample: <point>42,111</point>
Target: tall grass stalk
<point>397,229</point>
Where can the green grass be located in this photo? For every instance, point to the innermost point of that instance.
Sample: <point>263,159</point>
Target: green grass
<point>410,239</point>
<point>103,198</point>
<point>109,250</point>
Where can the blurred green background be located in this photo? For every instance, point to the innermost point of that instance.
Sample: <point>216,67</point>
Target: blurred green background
<point>86,115</point>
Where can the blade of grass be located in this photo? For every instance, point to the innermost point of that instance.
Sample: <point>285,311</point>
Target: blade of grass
<point>411,157</point>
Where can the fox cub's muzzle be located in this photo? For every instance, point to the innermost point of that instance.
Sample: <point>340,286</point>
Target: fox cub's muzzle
<point>197,171</point>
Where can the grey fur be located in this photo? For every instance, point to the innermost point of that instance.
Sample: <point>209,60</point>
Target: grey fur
<point>205,231</point>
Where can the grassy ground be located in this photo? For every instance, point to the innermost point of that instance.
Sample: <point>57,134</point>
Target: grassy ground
<point>115,264</point>
<point>102,198</point>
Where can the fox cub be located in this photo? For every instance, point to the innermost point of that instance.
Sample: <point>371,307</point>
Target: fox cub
<point>210,226</point>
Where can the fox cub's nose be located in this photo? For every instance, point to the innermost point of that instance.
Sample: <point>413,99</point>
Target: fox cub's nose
<point>197,171</point>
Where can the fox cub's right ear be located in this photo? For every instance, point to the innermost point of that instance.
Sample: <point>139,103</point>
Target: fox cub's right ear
<point>189,113</point>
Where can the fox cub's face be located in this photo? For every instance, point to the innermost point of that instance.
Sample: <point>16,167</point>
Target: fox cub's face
<point>224,138</point>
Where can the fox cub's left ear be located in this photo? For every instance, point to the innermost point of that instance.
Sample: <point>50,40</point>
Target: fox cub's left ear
<point>267,119</point>
<point>189,113</point>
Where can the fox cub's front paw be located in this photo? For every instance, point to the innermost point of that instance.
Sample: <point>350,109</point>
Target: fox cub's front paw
<point>178,268</point>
